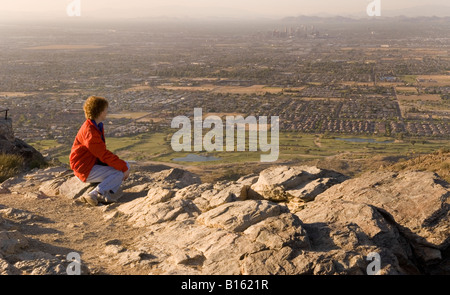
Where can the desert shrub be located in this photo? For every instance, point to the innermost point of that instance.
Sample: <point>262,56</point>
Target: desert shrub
<point>445,166</point>
<point>10,165</point>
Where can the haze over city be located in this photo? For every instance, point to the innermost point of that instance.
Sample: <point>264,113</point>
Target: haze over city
<point>250,9</point>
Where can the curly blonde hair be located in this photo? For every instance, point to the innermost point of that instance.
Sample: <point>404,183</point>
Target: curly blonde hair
<point>94,106</point>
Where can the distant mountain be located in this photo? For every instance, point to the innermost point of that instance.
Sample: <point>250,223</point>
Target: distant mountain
<point>309,18</point>
<point>342,19</point>
<point>424,10</point>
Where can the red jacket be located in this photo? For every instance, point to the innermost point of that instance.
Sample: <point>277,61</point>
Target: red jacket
<point>89,147</point>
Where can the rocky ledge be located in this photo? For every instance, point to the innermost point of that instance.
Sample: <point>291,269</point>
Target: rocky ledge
<point>286,220</point>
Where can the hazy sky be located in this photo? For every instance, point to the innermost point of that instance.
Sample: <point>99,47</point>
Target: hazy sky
<point>196,8</point>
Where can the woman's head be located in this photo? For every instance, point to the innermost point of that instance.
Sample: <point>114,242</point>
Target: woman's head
<point>95,108</point>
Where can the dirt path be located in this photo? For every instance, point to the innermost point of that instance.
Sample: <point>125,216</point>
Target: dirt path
<point>59,226</point>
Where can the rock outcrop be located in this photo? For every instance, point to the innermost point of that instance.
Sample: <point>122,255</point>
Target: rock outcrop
<point>6,130</point>
<point>295,185</point>
<point>416,203</point>
<point>9,144</point>
<point>286,220</point>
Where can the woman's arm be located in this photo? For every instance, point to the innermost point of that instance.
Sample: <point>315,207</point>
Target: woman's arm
<point>97,147</point>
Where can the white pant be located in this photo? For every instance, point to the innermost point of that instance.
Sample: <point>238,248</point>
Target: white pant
<point>110,179</point>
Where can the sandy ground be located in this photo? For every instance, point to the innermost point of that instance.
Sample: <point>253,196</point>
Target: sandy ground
<point>61,225</point>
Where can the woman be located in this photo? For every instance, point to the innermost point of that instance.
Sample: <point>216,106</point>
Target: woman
<point>90,160</point>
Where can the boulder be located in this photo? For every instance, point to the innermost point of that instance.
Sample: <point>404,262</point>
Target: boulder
<point>278,232</point>
<point>193,191</point>
<point>207,196</point>
<point>269,262</point>
<point>173,179</point>
<point>11,145</point>
<point>176,177</point>
<point>41,263</point>
<point>159,195</point>
<point>11,242</point>
<point>238,216</point>
<point>154,209</point>
<point>52,187</point>
<point>38,179</point>
<point>47,174</point>
<point>19,215</point>
<point>188,247</point>
<point>6,268</point>
<point>357,228</point>
<point>304,183</point>
<point>418,202</point>
<point>18,147</point>
<point>313,188</point>
<point>74,188</point>
<point>6,130</point>
<point>4,190</point>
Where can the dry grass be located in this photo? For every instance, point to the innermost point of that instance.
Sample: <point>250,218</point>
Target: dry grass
<point>406,89</point>
<point>422,97</point>
<point>435,80</point>
<point>10,165</point>
<point>437,162</point>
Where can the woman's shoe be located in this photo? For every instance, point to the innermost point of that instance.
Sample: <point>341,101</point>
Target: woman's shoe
<point>91,198</point>
<point>110,197</point>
